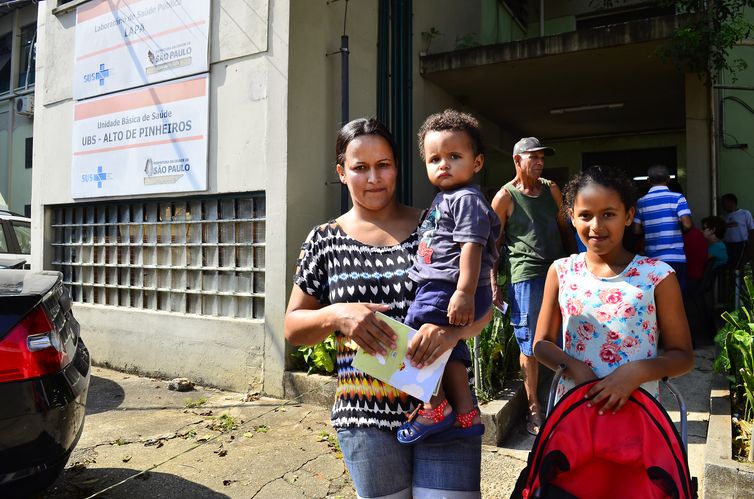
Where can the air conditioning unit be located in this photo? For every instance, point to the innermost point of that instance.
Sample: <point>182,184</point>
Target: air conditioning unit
<point>25,105</point>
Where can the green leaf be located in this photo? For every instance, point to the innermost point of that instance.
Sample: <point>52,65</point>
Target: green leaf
<point>321,358</point>
<point>742,337</point>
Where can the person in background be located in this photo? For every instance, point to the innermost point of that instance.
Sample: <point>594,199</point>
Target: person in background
<point>740,230</point>
<point>535,232</point>
<point>714,229</point>
<point>662,216</point>
<point>695,249</point>
<point>700,307</point>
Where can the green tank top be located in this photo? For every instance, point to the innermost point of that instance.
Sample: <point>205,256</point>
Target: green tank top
<point>531,233</point>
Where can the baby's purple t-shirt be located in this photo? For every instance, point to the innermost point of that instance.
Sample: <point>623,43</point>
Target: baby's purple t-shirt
<point>458,216</point>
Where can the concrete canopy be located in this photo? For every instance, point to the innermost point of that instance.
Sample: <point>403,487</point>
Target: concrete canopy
<point>519,84</point>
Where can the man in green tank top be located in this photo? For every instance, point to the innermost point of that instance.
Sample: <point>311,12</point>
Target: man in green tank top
<point>535,232</point>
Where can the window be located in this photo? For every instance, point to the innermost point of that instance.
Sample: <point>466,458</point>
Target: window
<point>202,256</point>
<point>3,240</point>
<point>29,149</point>
<point>27,210</point>
<point>27,55</point>
<point>23,236</point>
<point>6,44</point>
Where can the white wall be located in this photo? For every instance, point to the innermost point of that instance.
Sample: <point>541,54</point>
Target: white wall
<point>247,152</point>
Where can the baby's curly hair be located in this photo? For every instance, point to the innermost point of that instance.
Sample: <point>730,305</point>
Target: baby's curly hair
<point>455,121</point>
<point>611,178</point>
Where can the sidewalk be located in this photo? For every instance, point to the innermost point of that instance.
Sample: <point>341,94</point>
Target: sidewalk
<point>142,440</point>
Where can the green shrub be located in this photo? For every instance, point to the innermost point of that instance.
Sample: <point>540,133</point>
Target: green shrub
<point>319,358</point>
<point>498,349</point>
<point>736,358</point>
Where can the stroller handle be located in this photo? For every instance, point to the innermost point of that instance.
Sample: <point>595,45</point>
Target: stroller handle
<point>681,402</point>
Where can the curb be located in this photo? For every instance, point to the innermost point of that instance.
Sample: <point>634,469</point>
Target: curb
<point>312,389</point>
<point>723,476</point>
<point>502,414</point>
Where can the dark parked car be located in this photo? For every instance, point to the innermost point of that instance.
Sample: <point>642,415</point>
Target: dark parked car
<point>44,380</point>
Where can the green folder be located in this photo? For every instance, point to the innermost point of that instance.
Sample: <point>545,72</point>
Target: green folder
<point>395,368</point>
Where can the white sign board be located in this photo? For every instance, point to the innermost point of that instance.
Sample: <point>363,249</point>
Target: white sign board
<point>144,141</point>
<point>124,44</point>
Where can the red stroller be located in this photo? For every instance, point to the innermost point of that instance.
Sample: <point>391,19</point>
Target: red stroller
<point>634,453</point>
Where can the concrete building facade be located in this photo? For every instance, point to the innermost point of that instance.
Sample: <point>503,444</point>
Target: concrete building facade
<point>589,83</point>
<point>126,321</point>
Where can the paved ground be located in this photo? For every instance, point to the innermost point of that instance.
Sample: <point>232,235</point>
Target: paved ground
<point>142,440</point>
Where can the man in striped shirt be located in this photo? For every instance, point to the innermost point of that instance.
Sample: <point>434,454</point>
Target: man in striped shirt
<point>663,217</point>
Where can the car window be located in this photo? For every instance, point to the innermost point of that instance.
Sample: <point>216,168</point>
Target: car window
<point>23,235</point>
<point>3,240</point>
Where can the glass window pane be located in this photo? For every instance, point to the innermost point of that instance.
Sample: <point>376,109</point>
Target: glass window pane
<point>3,241</point>
<point>27,55</point>
<point>200,256</point>
<point>6,42</point>
<point>23,235</point>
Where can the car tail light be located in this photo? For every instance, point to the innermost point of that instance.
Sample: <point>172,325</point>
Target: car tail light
<point>33,348</point>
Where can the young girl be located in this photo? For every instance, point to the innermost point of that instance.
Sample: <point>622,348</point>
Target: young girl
<point>611,305</point>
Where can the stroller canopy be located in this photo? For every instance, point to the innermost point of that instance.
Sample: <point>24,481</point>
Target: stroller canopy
<point>634,453</point>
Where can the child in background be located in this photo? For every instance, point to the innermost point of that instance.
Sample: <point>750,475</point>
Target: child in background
<point>714,229</point>
<point>452,268</point>
<point>611,305</point>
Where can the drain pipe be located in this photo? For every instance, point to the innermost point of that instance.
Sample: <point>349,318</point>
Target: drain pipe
<point>344,98</point>
<point>541,17</point>
<point>344,104</point>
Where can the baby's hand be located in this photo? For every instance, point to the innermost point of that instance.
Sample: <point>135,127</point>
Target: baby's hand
<point>461,308</point>
<point>611,393</point>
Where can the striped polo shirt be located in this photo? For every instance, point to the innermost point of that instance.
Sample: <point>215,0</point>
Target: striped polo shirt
<point>659,213</point>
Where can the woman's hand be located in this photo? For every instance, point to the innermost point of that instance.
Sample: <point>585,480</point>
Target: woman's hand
<point>358,322</point>
<point>428,344</point>
<point>612,392</point>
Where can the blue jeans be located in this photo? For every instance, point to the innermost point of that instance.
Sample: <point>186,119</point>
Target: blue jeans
<point>380,467</point>
<point>526,300</point>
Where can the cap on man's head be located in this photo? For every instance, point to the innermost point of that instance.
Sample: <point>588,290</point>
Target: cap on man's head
<point>531,144</point>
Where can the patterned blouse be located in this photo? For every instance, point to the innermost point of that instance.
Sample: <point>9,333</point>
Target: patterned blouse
<point>609,321</point>
<point>335,268</point>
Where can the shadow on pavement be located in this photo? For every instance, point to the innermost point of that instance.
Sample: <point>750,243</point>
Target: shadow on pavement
<point>104,395</point>
<point>75,482</point>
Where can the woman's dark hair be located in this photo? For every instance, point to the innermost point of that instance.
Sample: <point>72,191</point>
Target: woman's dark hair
<point>611,178</point>
<point>357,128</point>
<point>454,121</point>
<point>715,223</point>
